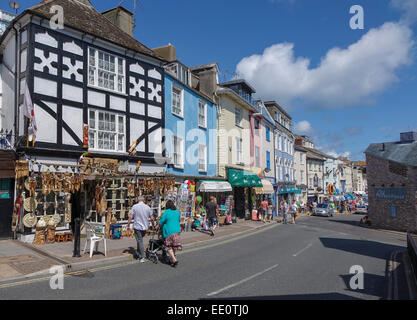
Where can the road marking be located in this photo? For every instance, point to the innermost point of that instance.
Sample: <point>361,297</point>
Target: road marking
<point>242,281</point>
<point>294,255</point>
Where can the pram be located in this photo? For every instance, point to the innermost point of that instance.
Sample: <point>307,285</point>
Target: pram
<point>156,244</point>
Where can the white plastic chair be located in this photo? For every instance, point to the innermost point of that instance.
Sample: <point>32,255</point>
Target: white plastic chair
<point>94,239</point>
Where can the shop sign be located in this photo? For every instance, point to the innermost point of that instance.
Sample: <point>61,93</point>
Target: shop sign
<point>286,189</point>
<point>390,194</point>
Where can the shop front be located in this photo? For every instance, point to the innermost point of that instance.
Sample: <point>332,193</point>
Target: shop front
<point>223,192</point>
<point>7,174</point>
<point>94,190</point>
<point>266,192</point>
<point>287,193</point>
<point>243,182</point>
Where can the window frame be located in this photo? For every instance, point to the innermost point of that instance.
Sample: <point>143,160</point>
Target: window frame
<point>96,130</point>
<point>181,97</point>
<point>257,157</point>
<point>201,102</point>
<point>97,68</point>
<point>238,111</point>
<point>180,154</point>
<point>204,147</point>
<point>239,150</point>
<point>268,160</point>
<point>268,133</point>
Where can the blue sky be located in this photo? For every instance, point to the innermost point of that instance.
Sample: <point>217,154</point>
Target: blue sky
<point>345,88</point>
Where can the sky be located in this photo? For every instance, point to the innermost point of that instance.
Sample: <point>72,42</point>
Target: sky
<point>343,87</point>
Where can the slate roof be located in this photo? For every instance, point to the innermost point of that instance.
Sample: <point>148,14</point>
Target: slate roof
<point>403,153</point>
<point>81,15</point>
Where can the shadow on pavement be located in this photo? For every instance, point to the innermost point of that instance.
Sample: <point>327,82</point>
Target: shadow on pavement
<point>313,296</point>
<point>352,223</point>
<point>373,284</point>
<point>363,247</point>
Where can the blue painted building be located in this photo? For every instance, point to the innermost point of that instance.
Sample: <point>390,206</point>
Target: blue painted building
<point>190,124</point>
<point>284,153</point>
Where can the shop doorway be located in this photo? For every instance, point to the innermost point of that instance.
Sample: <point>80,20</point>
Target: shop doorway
<point>239,196</point>
<point>6,208</point>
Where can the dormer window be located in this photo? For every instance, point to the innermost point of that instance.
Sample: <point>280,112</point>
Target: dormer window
<point>180,72</point>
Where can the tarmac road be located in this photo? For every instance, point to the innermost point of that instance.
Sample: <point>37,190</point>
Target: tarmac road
<point>309,260</point>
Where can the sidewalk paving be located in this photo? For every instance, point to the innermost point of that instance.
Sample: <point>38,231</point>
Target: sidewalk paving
<point>22,260</point>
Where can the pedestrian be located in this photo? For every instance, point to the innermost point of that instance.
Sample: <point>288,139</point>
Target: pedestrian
<point>270,210</point>
<point>293,211</point>
<point>285,209</point>
<point>171,231</point>
<point>211,208</point>
<point>140,214</point>
<point>264,209</point>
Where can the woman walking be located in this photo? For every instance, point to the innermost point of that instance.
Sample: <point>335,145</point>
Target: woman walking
<point>171,231</point>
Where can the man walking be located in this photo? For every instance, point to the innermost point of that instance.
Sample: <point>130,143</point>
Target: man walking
<point>293,211</point>
<point>285,209</point>
<point>140,214</point>
<point>211,209</point>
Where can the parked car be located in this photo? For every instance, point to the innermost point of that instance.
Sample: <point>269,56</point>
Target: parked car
<point>324,210</point>
<point>361,210</point>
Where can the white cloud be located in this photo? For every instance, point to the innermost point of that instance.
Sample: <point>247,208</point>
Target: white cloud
<point>344,77</point>
<point>409,8</point>
<point>332,153</point>
<point>303,128</point>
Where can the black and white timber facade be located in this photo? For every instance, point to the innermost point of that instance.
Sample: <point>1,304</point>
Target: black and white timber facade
<point>77,78</point>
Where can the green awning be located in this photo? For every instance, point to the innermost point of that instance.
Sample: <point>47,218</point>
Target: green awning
<point>240,178</point>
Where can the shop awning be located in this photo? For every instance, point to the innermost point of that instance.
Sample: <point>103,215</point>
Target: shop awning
<point>266,188</point>
<point>240,178</point>
<point>215,186</point>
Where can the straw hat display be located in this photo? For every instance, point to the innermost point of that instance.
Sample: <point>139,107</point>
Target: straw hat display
<point>30,220</point>
<point>30,204</point>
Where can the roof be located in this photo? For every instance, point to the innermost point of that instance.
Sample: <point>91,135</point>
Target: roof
<point>274,103</point>
<point>315,154</point>
<point>238,81</point>
<point>81,15</point>
<point>298,148</point>
<point>232,93</point>
<point>267,116</point>
<point>207,66</point>
<point>403,153</point>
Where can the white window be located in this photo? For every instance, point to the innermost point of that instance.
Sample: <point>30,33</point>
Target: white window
<point>239,151</point>
<point>178,152</point>
<point>257,159</point>
<point>106,131</point>
<point>302,176</point>
<point>202,114</point>
<point>177,101</point>
<point>202,158</point>
<point>106,71</point>
<point>238,116</point>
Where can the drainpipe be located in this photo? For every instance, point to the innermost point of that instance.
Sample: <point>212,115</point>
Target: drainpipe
<point>17,89</point>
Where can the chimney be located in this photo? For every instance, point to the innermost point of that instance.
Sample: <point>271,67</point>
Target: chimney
<point>121,17</point>
<point>167,52</point>
<point>383,147</point>
<point>208,78</point>
<point>408,137</point>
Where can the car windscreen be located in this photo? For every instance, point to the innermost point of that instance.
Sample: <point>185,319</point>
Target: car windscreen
<point>322,206</point>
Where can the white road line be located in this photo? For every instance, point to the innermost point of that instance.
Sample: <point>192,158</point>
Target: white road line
<point>296,254</point>
<point>242,281</point>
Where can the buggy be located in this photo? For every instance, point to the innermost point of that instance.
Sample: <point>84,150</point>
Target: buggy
<point>156,244</point>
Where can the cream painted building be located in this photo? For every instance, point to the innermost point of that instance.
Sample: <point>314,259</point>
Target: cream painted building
<point>233,131</point>
<point>300,166</point>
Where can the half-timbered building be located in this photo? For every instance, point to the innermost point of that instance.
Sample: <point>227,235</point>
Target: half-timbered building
<point>87,73</point>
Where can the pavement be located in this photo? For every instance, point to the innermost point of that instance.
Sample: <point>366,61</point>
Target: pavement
<point>314,259</point>
<point>20,260</point>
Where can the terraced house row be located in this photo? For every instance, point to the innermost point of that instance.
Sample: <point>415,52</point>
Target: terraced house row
<point>142,104</point>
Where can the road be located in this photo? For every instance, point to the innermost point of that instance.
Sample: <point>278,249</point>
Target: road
<point>308,260</point>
